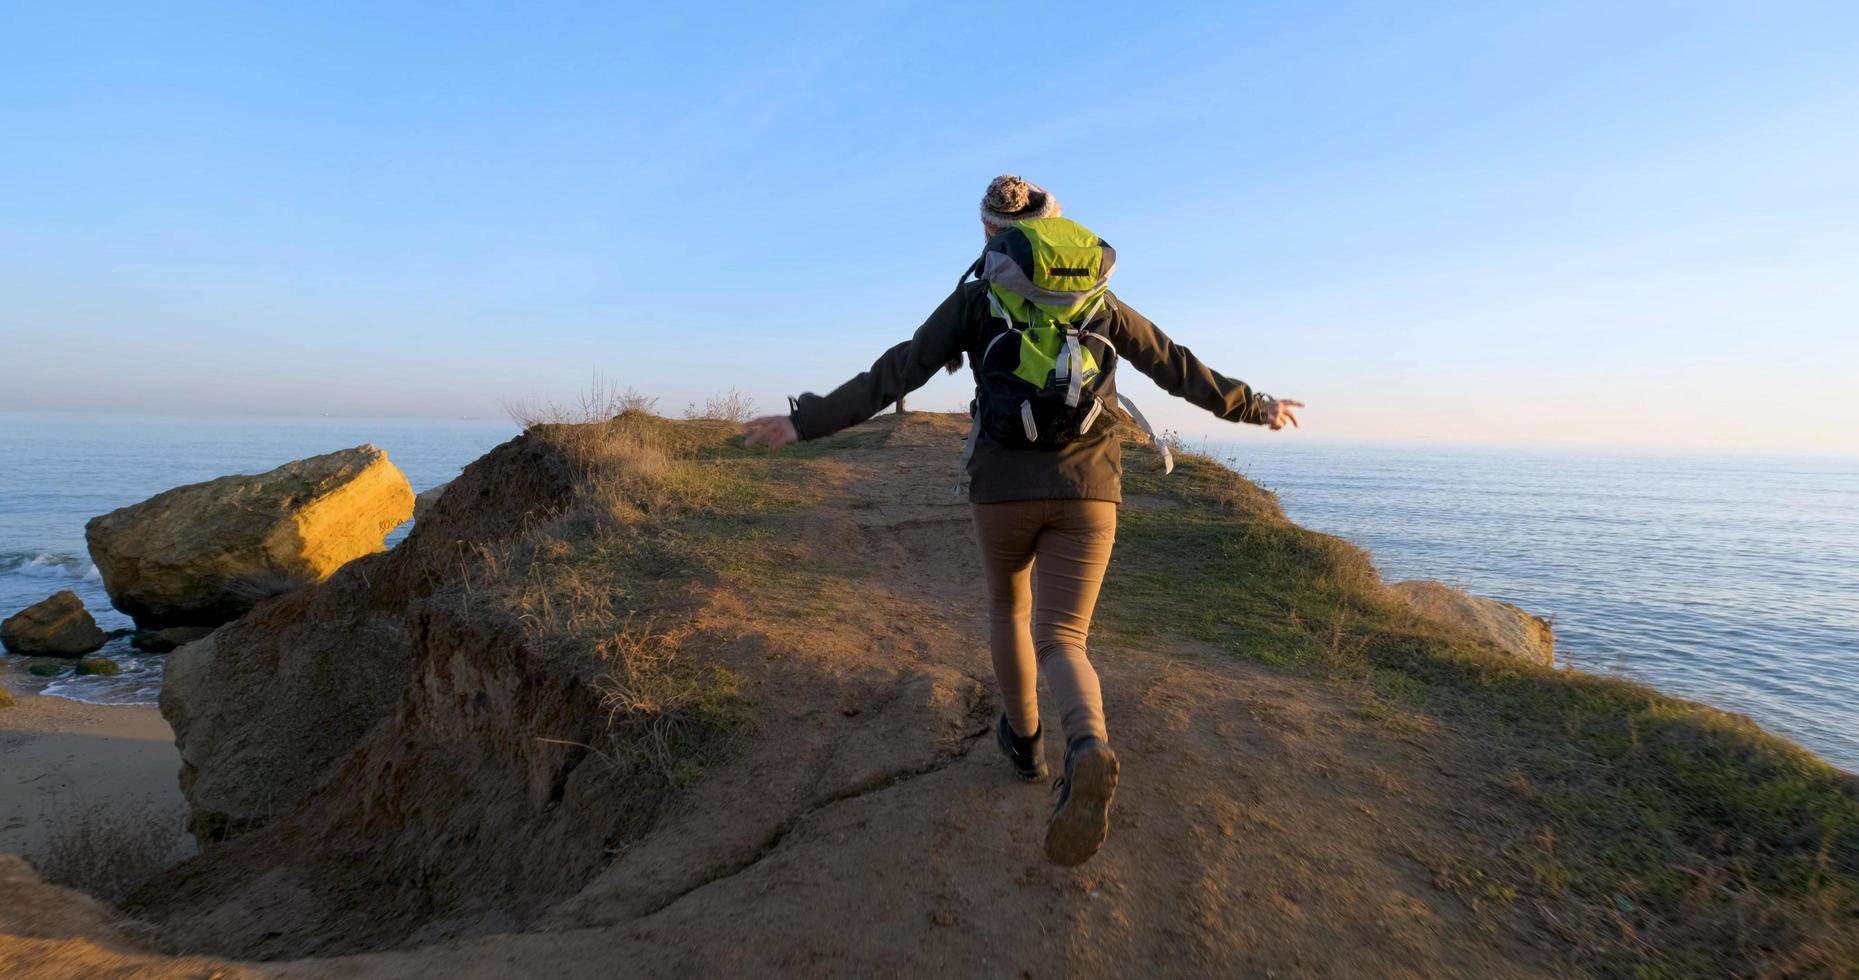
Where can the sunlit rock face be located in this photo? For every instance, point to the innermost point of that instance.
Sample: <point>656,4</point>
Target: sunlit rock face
<point>204,554</point>
<point>1507,627</point>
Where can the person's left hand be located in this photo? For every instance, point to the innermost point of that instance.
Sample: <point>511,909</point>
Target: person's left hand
<point>773,431</point>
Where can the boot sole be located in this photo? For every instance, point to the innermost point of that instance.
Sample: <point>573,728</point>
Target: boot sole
<point>1078,830</point>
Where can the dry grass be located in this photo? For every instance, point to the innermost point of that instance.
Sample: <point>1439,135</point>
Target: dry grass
<point>1198,476</point>
<point>588,585</point>
<point>108,850</point>
<point>664,711</point>
<point>590,604</point>
<point>731,406</point>
<point>637,465</point>
<point>598,403</point>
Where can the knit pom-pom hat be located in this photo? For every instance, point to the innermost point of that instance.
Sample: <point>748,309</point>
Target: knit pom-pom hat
<point>1010,199</point>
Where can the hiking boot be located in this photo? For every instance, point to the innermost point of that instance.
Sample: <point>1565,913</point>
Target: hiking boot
<point>1081,820</point>
<point>1028,754</point>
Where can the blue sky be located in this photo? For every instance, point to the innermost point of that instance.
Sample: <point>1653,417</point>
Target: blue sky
<point>1584,223</point>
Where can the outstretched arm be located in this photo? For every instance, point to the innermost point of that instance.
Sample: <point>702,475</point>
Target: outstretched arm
<point>1180,373</point>
<point>897,372</point>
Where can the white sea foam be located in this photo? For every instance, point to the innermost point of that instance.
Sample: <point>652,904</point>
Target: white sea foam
<point>45,565</point>
<point>142,693</point>
<point>139,682</point>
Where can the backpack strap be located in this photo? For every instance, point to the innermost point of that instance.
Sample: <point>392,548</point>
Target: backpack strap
<point>1168,458</point>
<point>995,307</point>
<point>1071,358</point>
<point>1071,365</point>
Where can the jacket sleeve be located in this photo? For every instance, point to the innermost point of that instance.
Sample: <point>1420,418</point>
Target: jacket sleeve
<point>1177,370</point>
<point>897,372</point>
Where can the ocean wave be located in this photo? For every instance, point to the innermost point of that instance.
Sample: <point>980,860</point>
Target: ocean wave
<point>47,565</point>
<point>141,694</point>
<point>138,683</point>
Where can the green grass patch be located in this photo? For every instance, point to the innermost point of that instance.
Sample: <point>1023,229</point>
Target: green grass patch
<point>1690,841</point>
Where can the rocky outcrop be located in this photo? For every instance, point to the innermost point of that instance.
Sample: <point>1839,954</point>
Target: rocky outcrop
<point>1507,627</point>
<point>504,771</point>
<point>204,554</point>
<point>260,706</point>
<point>428,497</point>
<point>58,627</point>
<point>266,703</point>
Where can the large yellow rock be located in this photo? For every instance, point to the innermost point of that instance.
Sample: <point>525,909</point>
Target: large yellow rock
<point>203,554</point>
<point>1509,628</point>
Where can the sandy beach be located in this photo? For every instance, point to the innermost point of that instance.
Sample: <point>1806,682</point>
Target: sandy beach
<point>65,756</point>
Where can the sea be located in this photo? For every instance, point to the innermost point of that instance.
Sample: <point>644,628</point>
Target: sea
<point>59,470</point>
<point>1732,580</point>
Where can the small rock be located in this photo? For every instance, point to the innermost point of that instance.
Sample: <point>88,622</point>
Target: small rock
<point>423,501</point>
<point>6,697</point>
<point>45,668</point>
<point>97,667</point>
<point>58,627</point>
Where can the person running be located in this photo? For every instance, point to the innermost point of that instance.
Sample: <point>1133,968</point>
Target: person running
<point>1042,334</point>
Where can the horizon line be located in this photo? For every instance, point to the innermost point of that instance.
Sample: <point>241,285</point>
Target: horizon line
<point>1294,439</point>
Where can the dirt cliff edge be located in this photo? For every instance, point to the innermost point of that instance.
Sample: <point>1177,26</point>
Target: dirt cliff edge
<point>665,706</point>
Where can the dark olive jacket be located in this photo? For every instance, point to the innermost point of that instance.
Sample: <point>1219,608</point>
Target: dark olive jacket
<point>1090,468</point>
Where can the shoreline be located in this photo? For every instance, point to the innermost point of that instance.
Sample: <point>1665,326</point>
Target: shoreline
<point>62,758</point>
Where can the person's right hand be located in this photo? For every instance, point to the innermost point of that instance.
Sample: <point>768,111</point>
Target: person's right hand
<point>1275,413</point>
<point>773,431</point>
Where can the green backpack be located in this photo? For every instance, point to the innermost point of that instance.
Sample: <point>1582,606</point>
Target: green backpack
<point>1046,371</point>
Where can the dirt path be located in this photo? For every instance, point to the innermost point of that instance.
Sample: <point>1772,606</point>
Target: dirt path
<point>1261,828</point>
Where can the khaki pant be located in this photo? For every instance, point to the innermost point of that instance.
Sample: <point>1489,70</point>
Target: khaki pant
<point>1038,623</point>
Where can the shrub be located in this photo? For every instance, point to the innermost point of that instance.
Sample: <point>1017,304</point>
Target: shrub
<point>664,712</point>
<point>107,850</point>
<point>596,404</point>
<point>730,406</point>
<point>651,493</point>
